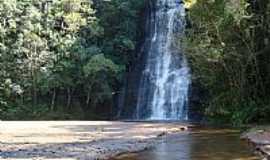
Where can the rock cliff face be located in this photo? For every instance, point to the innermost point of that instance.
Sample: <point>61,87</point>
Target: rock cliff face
<point>196,99</point>
<point>127,97</point>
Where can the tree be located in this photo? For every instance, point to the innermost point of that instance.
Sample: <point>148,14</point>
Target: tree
<point>223,48</point>
<point>99,74</point>
<point>55,54</point>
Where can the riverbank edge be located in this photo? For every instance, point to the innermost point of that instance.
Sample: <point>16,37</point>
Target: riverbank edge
<point>259,139</point>
<point>51,139</point>
<point>148,144</point>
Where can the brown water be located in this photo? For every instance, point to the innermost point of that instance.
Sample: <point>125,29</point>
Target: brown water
<point>198,144</point>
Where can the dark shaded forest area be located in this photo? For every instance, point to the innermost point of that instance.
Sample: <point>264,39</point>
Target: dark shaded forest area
<point>228,48</point>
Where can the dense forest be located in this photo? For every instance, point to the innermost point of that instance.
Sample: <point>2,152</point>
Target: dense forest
<point>66,59</point>
<point>228,47</point>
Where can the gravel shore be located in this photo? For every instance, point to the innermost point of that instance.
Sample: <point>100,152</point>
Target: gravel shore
<point>79,140</point>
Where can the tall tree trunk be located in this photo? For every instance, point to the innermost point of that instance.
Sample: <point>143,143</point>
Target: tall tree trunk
<point>69,97</point>
<point>22,99</point>
<point>34,77</point>
<point>34,88</point>
<point>53,99</point>
<point>88,99</point>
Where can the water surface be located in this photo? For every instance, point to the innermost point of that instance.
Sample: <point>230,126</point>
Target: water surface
<point>198,144</point>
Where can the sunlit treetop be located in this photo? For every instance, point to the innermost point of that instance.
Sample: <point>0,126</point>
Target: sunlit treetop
<point>189,3</point>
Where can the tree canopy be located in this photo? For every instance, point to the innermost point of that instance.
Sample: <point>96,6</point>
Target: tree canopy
<point>66,55</point>
<point>228,47</point>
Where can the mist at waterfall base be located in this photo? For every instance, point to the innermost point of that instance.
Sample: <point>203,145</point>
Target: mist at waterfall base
<point>164,79</point>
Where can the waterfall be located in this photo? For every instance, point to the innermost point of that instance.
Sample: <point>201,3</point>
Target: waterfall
<point>165,79</point>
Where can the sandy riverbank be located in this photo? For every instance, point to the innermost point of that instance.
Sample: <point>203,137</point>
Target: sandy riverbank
<point>78,140</point>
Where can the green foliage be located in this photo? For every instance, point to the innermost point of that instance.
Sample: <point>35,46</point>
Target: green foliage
<point>100,73</point>
<point>98,64</point>
<point>224,46</point>
<point>120,20</point>
<point>39,112</point>
<point>68,53</point>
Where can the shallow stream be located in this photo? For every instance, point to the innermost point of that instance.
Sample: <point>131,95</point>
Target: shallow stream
<point>198,144</point>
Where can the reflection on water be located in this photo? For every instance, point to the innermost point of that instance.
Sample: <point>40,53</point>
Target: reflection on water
<point>198,144</point>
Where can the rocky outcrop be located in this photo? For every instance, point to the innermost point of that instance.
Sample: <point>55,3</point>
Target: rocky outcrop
<point>260,140</point>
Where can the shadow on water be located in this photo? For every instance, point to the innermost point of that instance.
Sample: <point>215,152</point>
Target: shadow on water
<point>198,144</point>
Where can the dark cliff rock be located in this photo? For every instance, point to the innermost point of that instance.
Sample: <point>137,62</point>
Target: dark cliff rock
<point>127,98</point>
<point>196,100</point>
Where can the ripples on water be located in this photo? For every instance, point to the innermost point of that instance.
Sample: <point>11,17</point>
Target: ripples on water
<point>199,144</point>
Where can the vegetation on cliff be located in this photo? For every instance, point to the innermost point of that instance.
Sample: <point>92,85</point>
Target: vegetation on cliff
<point>228,47</point>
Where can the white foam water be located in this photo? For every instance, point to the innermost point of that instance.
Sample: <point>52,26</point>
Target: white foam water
<point>165,80</point>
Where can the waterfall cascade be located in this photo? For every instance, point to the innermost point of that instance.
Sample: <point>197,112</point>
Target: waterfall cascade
<point>165,79</point>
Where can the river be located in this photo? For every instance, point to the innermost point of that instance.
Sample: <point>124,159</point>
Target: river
<point>200,143</point>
